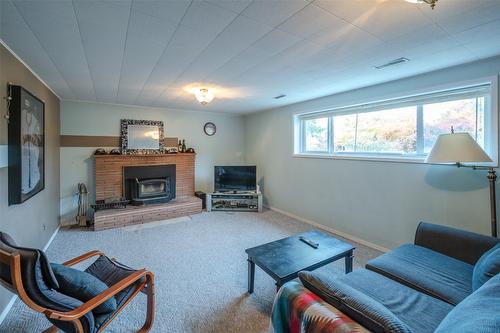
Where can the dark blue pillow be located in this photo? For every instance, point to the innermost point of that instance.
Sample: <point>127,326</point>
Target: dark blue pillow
<point>486,267</point>
<point>82,286</point>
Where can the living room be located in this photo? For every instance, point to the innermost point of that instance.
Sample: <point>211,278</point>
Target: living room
<point>249,166</point>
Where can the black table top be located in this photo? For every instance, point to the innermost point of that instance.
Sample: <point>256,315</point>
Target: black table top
<point>289,255</point>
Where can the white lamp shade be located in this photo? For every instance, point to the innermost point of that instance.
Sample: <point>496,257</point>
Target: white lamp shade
<point>457,147</point>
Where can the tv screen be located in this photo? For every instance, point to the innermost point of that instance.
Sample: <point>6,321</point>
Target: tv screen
<point>235,178</point>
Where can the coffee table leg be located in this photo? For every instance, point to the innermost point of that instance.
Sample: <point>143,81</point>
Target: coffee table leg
<point>348,263</point>
<point>251,275</point>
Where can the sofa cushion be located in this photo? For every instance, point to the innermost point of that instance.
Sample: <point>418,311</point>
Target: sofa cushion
<point>430,272</point>
<point>377,302</point>
<point>82,286</point>
<point>478,313</point>
<point>486,267</point>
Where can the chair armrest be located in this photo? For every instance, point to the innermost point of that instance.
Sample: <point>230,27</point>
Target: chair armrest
<point>83,257</point>
<point>101,298</point>
<point>460,244</point>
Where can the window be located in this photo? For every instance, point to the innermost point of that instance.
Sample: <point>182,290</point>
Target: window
<point>316,134</point>
<point>399,128</point>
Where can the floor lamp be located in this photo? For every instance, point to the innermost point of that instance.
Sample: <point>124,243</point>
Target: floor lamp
<point>459,148</point>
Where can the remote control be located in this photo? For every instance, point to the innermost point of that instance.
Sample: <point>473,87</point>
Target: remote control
<point>309,242</point>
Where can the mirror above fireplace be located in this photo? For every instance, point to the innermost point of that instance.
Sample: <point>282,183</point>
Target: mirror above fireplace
<point>142,136</point>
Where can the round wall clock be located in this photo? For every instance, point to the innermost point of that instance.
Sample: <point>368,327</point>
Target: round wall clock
<point>210,129</point>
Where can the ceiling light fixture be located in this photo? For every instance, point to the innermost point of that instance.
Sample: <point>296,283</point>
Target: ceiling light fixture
<point>204,96</point>
<point>431,3</point>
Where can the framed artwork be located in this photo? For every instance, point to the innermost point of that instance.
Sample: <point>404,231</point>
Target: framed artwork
<point>26,145</point>
<point>142,136</point>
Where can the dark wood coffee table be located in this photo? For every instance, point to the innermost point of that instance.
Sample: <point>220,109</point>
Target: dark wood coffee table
<point>285,258</point>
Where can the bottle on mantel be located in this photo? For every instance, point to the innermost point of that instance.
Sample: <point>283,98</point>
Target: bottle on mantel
<point>179,148</point>
<point>184,146</point>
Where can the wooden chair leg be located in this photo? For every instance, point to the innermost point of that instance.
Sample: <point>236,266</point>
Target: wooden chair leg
<point>150,311</point>
<point>51,329</point>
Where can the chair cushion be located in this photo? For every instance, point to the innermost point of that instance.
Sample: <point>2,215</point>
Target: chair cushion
<point>486,267</point>
<point>111,272</point>
<point>377,302</point>
<point>478,313</point>
<point>428,271</point>
<point>82,286</point>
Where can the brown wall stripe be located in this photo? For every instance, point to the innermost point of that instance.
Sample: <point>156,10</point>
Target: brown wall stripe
<point>101,141</point>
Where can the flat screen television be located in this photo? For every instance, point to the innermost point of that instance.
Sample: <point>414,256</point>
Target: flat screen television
<point>235,178</point>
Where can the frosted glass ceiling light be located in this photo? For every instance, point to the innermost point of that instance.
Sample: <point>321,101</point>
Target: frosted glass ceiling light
<point>431,3</point>
<point>204,96</point>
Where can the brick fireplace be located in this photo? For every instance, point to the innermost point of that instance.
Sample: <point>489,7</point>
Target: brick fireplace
<point>161,186</point>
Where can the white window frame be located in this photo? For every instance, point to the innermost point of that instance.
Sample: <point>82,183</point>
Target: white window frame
<point>491,144</point>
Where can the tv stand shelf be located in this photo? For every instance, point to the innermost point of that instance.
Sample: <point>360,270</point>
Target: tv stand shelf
<point>236,202</point>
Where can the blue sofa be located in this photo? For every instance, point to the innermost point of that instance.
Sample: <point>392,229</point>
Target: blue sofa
<point>447,281</point>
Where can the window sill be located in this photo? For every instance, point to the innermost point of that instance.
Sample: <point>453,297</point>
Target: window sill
<point>392,159</point>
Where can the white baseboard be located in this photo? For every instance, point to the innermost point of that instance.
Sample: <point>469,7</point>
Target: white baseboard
<point>4,156</point>
<point>9,306</point>
<point>331,230</point>
<point>51,239</point>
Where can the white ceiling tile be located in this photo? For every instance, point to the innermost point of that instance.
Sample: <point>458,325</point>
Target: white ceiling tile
<point>273,43</point>
<point>312,20</point>
<point>209,17</point>
<point>237,37</point>
<point>19,37</point>
<point>479,33</point>
<point>384,19</point>
<point>103,28</point>
<point>479,15</point>
<point>348,39</point>
<point>172,10</point>
<point>145,33</point>
<point>187,43</point>
<point>317,48</point>
<point>273,13</point>
<point>236,6</point>
<point>55,26</point>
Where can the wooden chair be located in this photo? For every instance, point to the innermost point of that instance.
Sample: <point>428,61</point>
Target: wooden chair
<point>25,272</point>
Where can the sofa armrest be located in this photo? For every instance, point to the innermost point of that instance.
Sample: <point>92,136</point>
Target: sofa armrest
<point>459,244</point>
<point>297,309</point>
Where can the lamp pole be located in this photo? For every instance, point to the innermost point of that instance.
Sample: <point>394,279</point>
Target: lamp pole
<point>492,178</point>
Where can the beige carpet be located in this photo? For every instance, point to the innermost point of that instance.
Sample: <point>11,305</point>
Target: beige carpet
<point>200,266</point>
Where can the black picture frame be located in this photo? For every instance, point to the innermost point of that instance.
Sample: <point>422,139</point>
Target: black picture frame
<point>26,140</point>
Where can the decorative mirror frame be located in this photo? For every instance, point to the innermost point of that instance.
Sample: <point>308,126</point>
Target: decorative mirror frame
<point>124,137</point>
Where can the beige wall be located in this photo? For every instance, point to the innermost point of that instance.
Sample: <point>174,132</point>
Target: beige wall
<point>33,222</point>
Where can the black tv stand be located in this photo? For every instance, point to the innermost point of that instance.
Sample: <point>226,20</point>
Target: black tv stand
<point>234,201</point>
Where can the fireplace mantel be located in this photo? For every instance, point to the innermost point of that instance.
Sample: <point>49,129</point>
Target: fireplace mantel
<point>109,172</point>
